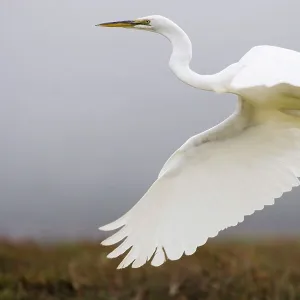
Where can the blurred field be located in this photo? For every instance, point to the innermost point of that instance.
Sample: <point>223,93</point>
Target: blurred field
<point>227,271</point>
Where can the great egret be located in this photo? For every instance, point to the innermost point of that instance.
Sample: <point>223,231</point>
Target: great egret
<point>227,172</point>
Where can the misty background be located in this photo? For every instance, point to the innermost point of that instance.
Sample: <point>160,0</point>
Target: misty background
<point>89,115</point>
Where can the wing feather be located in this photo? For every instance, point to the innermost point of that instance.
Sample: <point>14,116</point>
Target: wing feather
<point>211,183</point>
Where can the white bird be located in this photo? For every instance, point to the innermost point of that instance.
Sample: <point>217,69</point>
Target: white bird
<point>225,173</point>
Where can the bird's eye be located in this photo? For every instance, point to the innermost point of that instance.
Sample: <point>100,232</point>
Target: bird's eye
<point>147,22</point>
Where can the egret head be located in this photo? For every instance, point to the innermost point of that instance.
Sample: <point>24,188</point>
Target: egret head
<point>151,23</point>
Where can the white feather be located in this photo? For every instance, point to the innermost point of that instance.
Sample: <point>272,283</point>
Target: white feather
<point>266,72</point>
<point>210,184</point>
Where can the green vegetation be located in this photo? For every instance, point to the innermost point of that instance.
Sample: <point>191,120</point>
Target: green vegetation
<point>227,271</point>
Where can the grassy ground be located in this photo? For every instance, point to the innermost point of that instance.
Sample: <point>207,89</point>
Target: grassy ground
<point>230,271</point>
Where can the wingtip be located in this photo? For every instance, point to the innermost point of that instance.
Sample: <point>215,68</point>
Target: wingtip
<point>107,227</point>
<point>114,225</point>
<point>120,266</point>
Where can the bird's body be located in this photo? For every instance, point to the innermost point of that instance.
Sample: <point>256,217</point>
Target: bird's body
<point>219,176</point>
<point>268,76</point>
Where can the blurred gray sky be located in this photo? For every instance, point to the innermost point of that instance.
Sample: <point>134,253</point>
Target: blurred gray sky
<point>89,115</point>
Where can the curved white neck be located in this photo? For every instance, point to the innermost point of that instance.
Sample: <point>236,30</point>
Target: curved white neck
<point>181,57</point>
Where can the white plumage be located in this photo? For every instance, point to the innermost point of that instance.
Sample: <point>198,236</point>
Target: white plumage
<point>219,176</point>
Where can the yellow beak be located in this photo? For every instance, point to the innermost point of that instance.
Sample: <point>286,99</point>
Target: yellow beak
<point>124,24</point>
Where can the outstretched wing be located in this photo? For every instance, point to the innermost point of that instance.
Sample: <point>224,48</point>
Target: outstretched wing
<point>209,184</point>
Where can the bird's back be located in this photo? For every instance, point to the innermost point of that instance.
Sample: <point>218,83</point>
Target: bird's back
<point>268,73</point>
